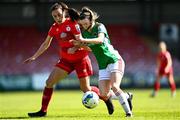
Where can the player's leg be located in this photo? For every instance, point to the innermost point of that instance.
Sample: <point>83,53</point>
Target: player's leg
<point>59,72</point>
<point>117,71</point>
<point>172,84</point>
<point>85,84</point>
<point>116,80</point>
<point>104,87</point>
<point>84,70</point>
<point>156,85</point>
<point>54,77</point>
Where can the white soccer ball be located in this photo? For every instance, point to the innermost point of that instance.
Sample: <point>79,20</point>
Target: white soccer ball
<point>90,99</point>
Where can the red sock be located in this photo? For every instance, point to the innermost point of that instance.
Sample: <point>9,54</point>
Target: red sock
<point>47,93</point>
<point>173,86</point>
<point>156,86</point>
<point>96,90</point>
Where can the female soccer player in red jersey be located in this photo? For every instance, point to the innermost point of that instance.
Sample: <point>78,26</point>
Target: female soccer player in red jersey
<point>164,68</point>
<point>64,29</point>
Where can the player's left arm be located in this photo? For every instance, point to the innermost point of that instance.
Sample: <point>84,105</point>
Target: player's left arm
<point>169,62</point>
<point>81,42</point>
<point>97,40</point>
<point>79,46</point>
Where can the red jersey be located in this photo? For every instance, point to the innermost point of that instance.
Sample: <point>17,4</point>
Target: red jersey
<point>164,57</point>
<point>63,33</point>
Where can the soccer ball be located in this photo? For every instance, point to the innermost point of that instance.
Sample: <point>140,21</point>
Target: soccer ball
<point>90,99</point>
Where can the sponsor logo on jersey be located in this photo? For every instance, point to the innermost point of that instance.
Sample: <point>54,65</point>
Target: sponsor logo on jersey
<point>68,28</point>
<point>77,28</point>
<point>63,35</point>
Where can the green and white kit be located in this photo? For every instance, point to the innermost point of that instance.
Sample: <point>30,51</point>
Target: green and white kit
<point>107,57</point>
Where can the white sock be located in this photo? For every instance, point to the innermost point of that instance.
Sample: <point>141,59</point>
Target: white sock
<point>123,101</point>
<point>114,97</point>
<point>127,96</point>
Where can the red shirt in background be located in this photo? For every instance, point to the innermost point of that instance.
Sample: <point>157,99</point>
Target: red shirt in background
<point>163,58</point>
<point>63,33</point>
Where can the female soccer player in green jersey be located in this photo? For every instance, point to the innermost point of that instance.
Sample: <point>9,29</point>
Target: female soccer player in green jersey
<point>111,64</point>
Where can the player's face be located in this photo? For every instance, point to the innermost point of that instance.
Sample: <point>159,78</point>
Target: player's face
<point>162,46</point>
<point>85,23</point>
<point>57,15</point>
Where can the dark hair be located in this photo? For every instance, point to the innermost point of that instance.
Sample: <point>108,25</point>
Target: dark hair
<point>88,13</point>
<point>72,13</point>
<point>55,7</point>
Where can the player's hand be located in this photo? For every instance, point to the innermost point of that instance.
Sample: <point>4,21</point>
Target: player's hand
<point>29,60</point>
<point>75,42</point>
<point>86,48</point>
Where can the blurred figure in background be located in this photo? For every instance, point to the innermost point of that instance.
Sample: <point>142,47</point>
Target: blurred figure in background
<point>164,68</point>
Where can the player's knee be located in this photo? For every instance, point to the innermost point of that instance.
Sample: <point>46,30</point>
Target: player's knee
<point>49,83</point>
<point>115,87</point>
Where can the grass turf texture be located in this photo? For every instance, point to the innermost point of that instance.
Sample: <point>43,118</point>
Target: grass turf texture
<point>66,105</point>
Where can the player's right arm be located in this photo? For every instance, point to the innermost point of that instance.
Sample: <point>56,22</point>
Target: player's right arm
<point>44,46</point>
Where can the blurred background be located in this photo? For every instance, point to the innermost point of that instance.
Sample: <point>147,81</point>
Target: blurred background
<point>134,26</point>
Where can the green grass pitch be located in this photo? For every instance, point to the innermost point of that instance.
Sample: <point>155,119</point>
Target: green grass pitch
<point>66,105</point>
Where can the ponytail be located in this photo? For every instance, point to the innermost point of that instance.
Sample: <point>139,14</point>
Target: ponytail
<point>73,14</point>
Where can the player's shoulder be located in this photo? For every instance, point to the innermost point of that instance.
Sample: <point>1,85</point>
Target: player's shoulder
<point>168,53</point>
<point>70,22</point>
<point>99,24</point>
<point>54,26</point>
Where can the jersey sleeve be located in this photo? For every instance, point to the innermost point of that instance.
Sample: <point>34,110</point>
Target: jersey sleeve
<point>102,29</point>
<point>75,29</point>
<point>51,31</point>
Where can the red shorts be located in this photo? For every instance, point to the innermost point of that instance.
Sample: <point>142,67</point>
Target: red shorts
<point>83,67</point>
<point>163,73</point>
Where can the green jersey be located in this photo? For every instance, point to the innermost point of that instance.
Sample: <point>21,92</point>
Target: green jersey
<point>104,52</point>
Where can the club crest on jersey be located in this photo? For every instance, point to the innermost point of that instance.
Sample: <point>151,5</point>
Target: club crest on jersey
<point>68,28</point>
<point>63,35</point>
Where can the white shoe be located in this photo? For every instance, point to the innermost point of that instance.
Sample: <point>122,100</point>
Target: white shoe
<point>154,94</point>
<point>173,94</point>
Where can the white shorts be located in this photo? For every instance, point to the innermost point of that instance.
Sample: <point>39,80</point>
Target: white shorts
<point>118,66</point>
